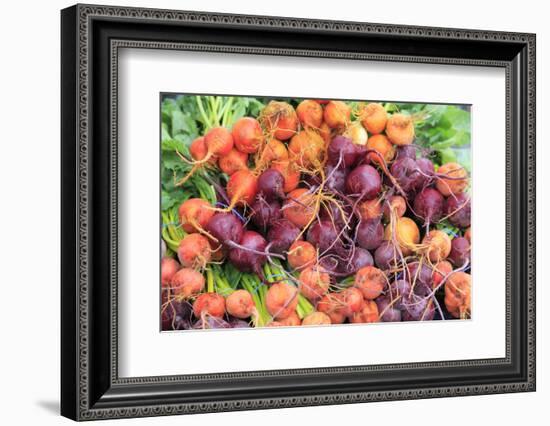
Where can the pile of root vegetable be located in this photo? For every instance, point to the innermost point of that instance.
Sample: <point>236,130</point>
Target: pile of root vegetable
<point>324,213</point>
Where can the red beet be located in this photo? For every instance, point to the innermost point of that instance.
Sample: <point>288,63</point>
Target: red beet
<point>428,204</point>
<point>336,178</point>
<point>364,182</point>
<point>344,148</point>
<point>406,151</point>
<point>426,167</point>
<point>459,210</point>
<point>387,313</point>
<point>265,212</point>
<point>270,184</point>
<point>417,308</point>
<point>400,291</point>
<point>225,227</point>
<point>421,280</point>
<point>324,235</point>
<point>360,259</point>
<point>248,258</point>
<point>386,255</point>
<point>405,171</point>
<point>460,251</point>
<point>281,235</point>
<point>370,234</point>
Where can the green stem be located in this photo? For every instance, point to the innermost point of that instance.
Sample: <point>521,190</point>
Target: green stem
<point>204,116</point>
<point>227,113</point>
<point>209,281</point>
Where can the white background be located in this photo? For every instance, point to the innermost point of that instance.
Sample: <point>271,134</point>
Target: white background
<point>141,345</point>
<point>29,218</point>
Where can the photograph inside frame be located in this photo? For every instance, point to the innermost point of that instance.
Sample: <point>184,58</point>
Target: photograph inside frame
<point>284,212</point>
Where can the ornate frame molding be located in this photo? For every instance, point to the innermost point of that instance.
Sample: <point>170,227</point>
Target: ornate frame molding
<point>86,14</point>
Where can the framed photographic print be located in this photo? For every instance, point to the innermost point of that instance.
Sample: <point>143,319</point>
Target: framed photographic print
<point>263,212</point>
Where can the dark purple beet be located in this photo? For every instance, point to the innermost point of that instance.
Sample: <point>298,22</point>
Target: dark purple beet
<point>370,233</point>
<point>428,204</point>
<point>400,290</point>
<point>340,146</point>
<point>323,234</point>
<point>336,178</point>
<point>281,235</point>
<point>176,316</point>
<point>405,171</point>
<point>417,308</point>
<point>421,280</point>
<point>406,151</point>
<point>245,260</point>
<point>265,212</point>
<point>363,181</point>
<point>427,170</point>
<point>330,263</point>
<point>361,258</point>
<point>270,184</point>
<point>238,323</point>
<point>386,255</point>
<point>225,227</point>
<point>331,212</point>
<point>460,251</point>
<point>459,210</point>
<point>210,322</point>
<point>387,313</point>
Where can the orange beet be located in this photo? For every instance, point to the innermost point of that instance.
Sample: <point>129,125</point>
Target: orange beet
<point>400,129</point>
<point>316,318</point>
<point>280,120</point>
<point>186,283</point>
<point>452,179</point>
<point>437,245</point>
<point>352,300</point>
<point>194,214</point>
<point>368,313</point>
<point>219,141</point>
<point>397,204</point>
<point>198,150</point>
<point>168,268</point>
<point>209,304</point>
<point>441,270</point>
<point>247,135</point>
<point>233,162</point>
<point>371,281</point>
<point>274,150</point>
<point>314,282</point>
<point>374,118</point>
<point>306,148</point>
<point>337,114</point>
<point>299,208</point>
<point>194,251</point>
<point>292,320</point>
<point>383,146</point>
<point>332,306</point>
<point>240,304</point>
<point>406,233</point>
<point>281,300</point>
<point>301,254</point>
<point>458,290</point>
<point>310,113</point>
<point>242,187</point>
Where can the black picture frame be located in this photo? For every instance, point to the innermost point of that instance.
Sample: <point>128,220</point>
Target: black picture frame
<point>90,38</point>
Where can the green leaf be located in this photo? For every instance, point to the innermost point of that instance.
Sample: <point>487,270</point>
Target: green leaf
<point>447,156</point>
